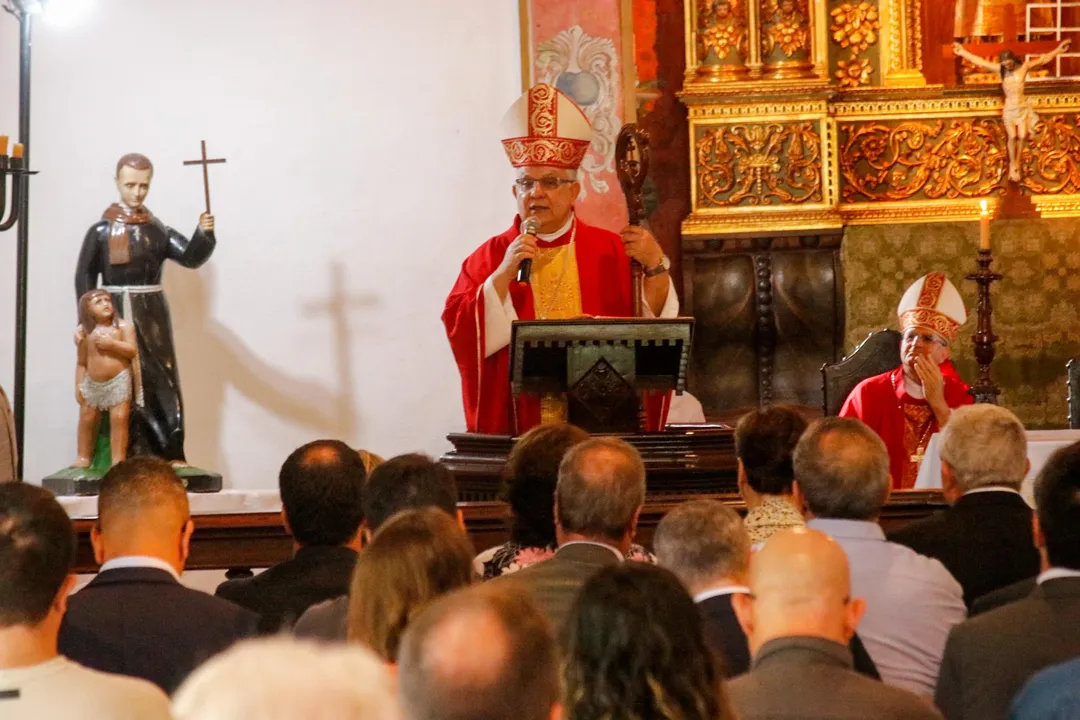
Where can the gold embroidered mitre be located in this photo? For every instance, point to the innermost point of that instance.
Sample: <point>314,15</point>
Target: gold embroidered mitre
<point>932,303</point>
<point>544,127</point>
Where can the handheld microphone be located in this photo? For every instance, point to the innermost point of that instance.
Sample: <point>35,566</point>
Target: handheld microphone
<point>529,226</point>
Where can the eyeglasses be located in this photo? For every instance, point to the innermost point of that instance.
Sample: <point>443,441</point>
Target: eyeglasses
<point>526,184</point>
<point>912,336</point>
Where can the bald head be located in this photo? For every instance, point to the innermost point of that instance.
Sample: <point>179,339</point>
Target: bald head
<point>142,510</point>
<point>801,585</point>
<point>486,651</point>
<point>600,491</point>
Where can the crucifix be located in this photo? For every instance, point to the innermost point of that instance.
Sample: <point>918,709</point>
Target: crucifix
<point>205,174</point>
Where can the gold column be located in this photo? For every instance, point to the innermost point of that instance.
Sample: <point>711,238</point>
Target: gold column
<point>787,39</point>
<point>718,40</point>
<point>902,54</point>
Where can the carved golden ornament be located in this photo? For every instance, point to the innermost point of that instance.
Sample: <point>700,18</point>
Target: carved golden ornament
<point>786,27</point>
<point>1051,160</point>
<point>853,72</point>
<point>934,159</point>
<point>855,26</point>
<point>721,28</point>
<point>762,164</point>
<point>723,38</point>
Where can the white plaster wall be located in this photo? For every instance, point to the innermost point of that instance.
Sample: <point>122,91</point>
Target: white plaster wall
<point>363,162</point>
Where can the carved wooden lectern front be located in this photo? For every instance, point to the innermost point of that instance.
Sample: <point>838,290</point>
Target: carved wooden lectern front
<point>602,366</point>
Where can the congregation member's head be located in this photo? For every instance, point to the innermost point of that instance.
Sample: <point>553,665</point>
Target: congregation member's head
<point>764,442</point>
<point>600,493</point>
<point>407,482</point>
<point>322,486</point>
<point>982,446</point>
<point>37,550</point>
<point>1057,509</point>
<point>143,511</point>
<point>413,558</point>
<point>282,678</point>
<point>800,585</point>
<point>634,640</point>
<point>705,544</point>
<point>841,471</point>
<point>532,471</point>
<point>484,652</point>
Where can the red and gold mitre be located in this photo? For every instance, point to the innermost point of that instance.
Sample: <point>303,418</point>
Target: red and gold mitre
<point>933,303</point>
<point>544,127</point>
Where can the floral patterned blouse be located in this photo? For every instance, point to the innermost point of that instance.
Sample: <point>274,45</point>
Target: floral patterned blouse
<point>511,557</point>
<point>775,513</point>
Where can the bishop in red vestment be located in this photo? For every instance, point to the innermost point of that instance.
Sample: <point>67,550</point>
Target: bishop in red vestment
<point>907,405</point>
<point>577,269</point>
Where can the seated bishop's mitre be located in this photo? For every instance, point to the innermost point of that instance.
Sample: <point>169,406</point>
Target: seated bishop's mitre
<point>932,303</point>
<point>544,127</point>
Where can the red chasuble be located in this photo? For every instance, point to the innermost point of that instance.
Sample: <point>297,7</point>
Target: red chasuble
<point>604,274</point>
<point>903,422</point>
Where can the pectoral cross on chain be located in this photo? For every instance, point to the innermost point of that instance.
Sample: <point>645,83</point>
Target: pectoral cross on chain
<point>205,174</point>
<point>917,458</point>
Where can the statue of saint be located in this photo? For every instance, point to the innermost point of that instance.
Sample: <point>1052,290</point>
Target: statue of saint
<point>126,251</point>
<point>107,351</point>
<point>1018,115</point>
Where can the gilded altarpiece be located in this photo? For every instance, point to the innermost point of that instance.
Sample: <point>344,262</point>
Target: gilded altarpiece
<point>826,175</point>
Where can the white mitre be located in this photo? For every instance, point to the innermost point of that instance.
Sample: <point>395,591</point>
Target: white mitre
<point>544,127</point>
<point>933,303</point>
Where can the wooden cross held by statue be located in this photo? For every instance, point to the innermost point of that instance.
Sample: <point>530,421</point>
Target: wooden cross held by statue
<point>205,174</point>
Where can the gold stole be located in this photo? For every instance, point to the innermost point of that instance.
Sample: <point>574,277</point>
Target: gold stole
<point>556,290</point>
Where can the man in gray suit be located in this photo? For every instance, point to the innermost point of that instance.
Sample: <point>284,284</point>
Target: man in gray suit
<point>989,658</point>
<point>799,618</point>
<point>598,498</point>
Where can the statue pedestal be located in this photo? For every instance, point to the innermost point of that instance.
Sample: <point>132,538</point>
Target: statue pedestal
<point>1016,205</point>
<point>86,481</point>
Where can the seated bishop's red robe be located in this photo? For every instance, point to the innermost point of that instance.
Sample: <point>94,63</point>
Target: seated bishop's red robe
<point>904,423</point>
<point>583,271</point>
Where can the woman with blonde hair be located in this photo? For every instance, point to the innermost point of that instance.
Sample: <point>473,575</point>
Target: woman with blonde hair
<point>413,558</point>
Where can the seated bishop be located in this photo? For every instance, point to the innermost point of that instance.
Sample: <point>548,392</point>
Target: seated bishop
<point>907,405</point>
<point>577,270</point>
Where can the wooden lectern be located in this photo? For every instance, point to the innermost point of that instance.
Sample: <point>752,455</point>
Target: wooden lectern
<point>601,366</point>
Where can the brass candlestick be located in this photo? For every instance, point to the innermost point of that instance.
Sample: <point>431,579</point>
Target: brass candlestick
<point>984,390</point>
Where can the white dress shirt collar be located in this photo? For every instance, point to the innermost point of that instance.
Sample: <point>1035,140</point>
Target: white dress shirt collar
<point>598,544</point>
<point>717,592</point>
<point>1055,573</point>
<point>992,488</point>
<point>140,561</point>
<point>548,237</point>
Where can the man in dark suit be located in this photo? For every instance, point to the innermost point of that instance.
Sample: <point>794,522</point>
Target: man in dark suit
<point>989,658</point>
<point>706,545</point>
<point>984,539</point>
<point>135,618</point>
<point>321,487</point>
<point>405,482</point>
<point>598,497</point>
<point>799,619</point>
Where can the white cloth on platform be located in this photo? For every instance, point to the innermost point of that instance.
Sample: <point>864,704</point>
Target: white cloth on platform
<point>1041,445</point>
<point>226,502</point>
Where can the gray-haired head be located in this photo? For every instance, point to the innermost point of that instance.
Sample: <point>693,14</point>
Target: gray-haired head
<point>984,445</point>
<point>702,541</point>
<point>842,470</point>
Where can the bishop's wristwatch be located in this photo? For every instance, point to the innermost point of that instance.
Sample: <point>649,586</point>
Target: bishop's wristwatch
<point>663,267</point>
